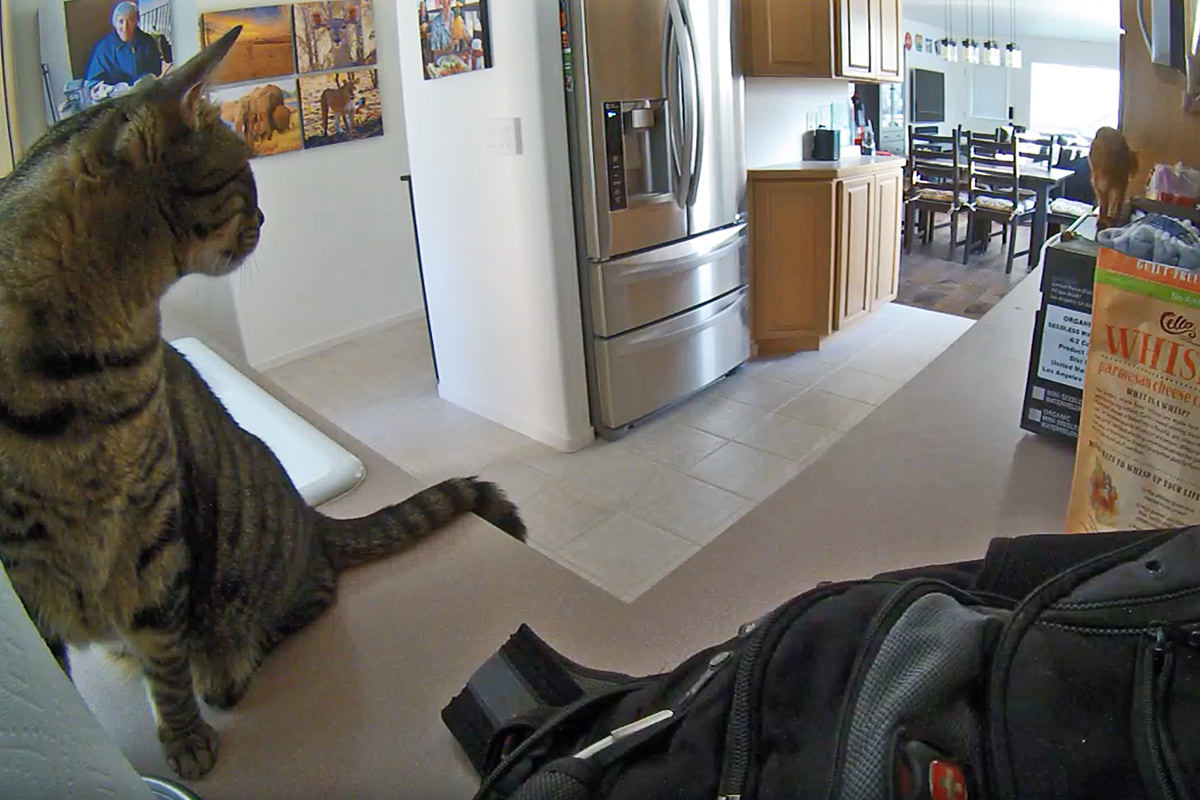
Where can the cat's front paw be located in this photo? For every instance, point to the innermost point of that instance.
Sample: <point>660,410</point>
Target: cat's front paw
<point>227,696</point>
<point>190,753</point>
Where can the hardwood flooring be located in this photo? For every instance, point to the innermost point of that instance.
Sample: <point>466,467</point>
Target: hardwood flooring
<point>928,280</point>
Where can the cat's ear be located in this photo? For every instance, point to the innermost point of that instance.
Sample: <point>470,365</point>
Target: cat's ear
<point>185,85</point>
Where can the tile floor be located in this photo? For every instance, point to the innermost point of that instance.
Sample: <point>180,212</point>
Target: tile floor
<point>624,514</point>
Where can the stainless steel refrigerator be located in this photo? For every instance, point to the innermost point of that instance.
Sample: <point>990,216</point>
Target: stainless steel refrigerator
<point>655,117</point>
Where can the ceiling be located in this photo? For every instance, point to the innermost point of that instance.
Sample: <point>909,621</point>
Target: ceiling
<point>1082,20</point>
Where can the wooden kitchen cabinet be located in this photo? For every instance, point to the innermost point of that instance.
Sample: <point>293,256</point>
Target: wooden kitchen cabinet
<point>852,39</point>
<point>889,62</point>
<point>855,250</point>
<point>794,309</point>
<point>889,197</point>
<point>855,30</point>
<point>786,37</point>
<point>824,248</point>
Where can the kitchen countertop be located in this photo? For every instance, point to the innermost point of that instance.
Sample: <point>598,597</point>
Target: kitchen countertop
<point>349,707</point>
<point>842,168</point>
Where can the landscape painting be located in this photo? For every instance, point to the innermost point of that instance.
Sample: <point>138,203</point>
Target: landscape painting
<point>263,50</point>
<point>340,107</point>
<point>266,115</point>
<point>334,35</point>
<point>454,37</point>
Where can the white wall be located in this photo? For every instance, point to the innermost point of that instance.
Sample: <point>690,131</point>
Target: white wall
<point>958,84</point>
<point>337,254</point>
<point>775,115</point>
<point>497,241</point>
<point>1057,51</point>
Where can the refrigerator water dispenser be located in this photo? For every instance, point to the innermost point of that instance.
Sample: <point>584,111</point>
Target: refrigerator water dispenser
<point>637,146</point>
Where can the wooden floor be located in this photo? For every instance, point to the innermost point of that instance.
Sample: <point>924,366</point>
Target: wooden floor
<point>929,280</point>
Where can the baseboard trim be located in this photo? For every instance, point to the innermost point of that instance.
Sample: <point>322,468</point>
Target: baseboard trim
<point>566,444</point>
<point>325,344</point>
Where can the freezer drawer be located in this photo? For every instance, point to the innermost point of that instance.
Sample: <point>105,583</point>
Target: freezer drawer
<point>643,370</point>
<point>636,290</point>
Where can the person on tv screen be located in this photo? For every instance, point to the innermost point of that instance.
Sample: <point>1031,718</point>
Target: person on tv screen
<point>125,54</point>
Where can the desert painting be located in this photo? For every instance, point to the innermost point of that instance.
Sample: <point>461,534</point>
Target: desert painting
<point>266,115</point>
<point>340,107</point>
<point>264,49</point>
<point>339,34</point>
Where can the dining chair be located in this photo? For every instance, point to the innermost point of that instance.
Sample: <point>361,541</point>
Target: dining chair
<point>994,193</point>
<point>935,185</point>
<point>1036,149</point>
<point>1075,197</point>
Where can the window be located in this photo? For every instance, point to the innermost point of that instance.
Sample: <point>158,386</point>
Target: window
<point>1070,99</point>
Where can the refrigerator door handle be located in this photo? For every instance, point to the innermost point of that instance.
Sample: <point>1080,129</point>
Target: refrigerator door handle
<point>681,263</point>
<point>697,107</point>
<point>671,90</point>
<point>729,305</point>
<point>679,61</point>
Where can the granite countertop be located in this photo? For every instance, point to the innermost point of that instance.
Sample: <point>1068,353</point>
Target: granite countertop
<point>828,169</point>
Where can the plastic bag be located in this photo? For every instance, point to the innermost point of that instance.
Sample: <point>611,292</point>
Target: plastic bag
<point>1177,184</point>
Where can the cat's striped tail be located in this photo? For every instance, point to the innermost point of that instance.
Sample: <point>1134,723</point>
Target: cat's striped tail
<point>389,530</point>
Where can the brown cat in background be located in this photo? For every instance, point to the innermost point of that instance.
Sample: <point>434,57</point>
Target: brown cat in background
<point>133,508</point>
<point>1112,164</point>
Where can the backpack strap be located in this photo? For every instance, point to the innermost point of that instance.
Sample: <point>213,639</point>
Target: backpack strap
<point>514,692</point>
<point>524,676</point>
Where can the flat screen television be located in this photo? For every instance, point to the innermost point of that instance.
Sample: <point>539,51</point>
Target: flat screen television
<point>929,96</point>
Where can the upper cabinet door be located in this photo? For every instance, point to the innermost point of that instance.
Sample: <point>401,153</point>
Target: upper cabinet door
<point>788,37</point>
<point>852,39</point>
<point>889,63</point>
<point>857,37</point>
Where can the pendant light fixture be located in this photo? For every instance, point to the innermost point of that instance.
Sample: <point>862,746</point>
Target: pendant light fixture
<point>991,48</point>
<point>1012,53</point>
<point>949,45</point>
<point>970,46</point>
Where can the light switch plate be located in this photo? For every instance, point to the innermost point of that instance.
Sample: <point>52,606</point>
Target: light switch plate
<point>504,136</point>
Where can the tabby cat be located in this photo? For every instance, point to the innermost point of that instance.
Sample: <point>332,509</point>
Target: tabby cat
<point>133,509</point>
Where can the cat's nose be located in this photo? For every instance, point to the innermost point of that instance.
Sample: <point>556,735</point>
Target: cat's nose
<point>261,217</point>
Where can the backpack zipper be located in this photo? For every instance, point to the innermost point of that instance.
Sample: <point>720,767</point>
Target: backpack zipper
<point>737,731</point>
<point>739,741</point>
<point>1157,666</point>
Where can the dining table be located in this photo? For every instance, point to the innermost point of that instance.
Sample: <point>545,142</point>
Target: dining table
<point>1040,179</point>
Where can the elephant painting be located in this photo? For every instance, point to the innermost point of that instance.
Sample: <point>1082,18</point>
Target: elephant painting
<point>262,116</point>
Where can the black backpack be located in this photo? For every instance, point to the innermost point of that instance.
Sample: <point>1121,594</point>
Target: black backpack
<point>1058,667</point>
